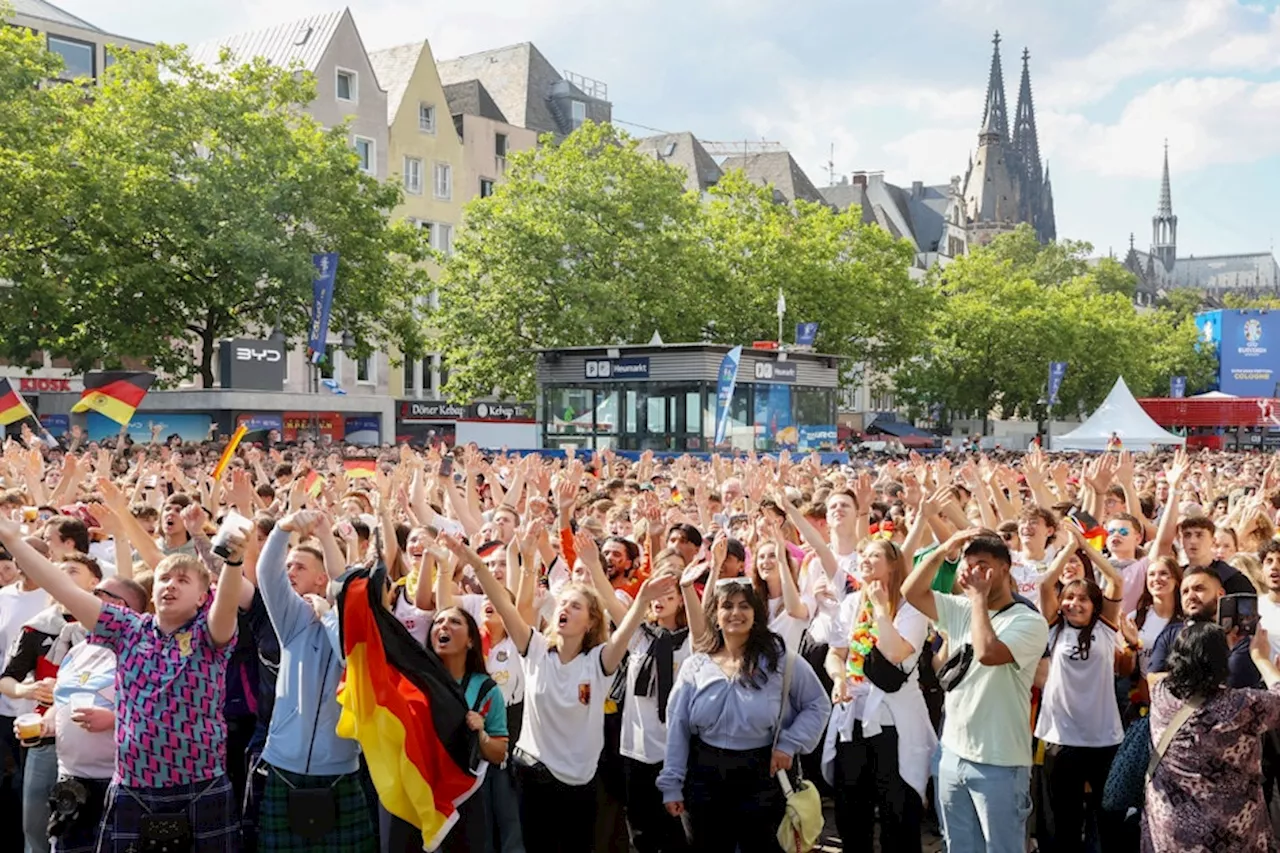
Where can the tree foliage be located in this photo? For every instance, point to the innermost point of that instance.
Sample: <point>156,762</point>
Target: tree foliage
<point>1006,310</point>
<point>189,200</point>
<point>590,241</point>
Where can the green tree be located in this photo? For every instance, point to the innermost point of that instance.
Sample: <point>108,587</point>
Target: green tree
<point>587,241</point>
<point>193,199</point>
<point>849,276</point>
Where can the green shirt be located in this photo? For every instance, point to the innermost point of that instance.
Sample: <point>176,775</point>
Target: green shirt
<point>945,580</point>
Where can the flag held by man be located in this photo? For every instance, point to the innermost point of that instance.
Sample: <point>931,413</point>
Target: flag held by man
<point>13,407</point>
<point>406,711</point>
<point>114,393</point>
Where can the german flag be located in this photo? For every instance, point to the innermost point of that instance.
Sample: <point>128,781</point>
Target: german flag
<point>357,468</point>
<point>406,711</point>
<point>116,394</point>
<point>12,407</point>
<point>313,483</point>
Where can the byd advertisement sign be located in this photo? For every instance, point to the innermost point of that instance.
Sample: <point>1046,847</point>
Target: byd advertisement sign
<point>252,365</point>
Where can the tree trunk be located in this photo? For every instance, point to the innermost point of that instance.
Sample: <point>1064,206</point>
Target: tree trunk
<point>207,342</point>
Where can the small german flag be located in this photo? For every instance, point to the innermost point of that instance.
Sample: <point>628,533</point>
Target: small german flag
<point>357,468</point>
<point>313,483</point>
<point>116,394</point>
<point>12,407</point>
<point>406,711</point>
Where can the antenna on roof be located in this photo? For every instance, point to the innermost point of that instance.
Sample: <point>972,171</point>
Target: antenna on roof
<point>831,166</point>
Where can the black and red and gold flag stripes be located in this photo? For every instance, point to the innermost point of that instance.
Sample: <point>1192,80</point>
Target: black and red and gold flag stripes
<point>116,394</point>
<point>12,407</point>
<point>406,711</point>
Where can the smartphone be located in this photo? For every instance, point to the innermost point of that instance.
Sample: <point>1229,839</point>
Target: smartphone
<point>446,466</point>
<point>1239,610</point>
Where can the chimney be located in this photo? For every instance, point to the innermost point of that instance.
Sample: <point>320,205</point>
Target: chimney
<point>859,179</point>
<point>917,189</point>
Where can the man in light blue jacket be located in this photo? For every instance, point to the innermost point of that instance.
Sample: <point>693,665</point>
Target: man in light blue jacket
<point>314,799</point>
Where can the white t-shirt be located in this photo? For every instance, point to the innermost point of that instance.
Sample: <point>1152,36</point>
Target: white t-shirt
<point>505,669</point>
<point>988,717</point>
<point>87,677</point>
<point>644,736</point>
<point>911,625</point>
<point>564,710</point>
<point>16,609</point>
<point>821,628</point>
<point>416,622</point>
<point>787,626</point>
<point>1026,577</point>
<point>1151,628</point>
<point>1079,703</point>
<point>1269,619</point>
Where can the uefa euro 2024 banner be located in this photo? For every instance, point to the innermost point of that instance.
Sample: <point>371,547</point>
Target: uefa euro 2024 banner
<point>1248,347</point>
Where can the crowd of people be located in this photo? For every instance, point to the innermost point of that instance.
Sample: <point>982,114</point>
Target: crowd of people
<point>641,647</point>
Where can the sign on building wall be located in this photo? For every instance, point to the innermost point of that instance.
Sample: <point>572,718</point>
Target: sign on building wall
<point>616,369</point>
<point>1248,345</point>
<point>252,365</point>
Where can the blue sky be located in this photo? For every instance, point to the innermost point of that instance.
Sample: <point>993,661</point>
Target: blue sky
<point>896,87</point>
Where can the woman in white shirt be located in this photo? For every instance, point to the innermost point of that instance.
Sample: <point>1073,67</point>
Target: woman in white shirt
<point>1160,603</point>
<point>1079,719</point>
<point>879,742</point>
<point>568,672</point>
<point>658,649</point>
<point>776,582</point>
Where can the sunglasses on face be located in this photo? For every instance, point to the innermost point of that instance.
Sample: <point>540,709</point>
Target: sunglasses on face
<point>733,582</point>
<point>1119,531</point>
<point>109,596</point>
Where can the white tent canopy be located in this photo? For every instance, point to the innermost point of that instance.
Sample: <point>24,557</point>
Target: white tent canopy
<point>1118,415</point>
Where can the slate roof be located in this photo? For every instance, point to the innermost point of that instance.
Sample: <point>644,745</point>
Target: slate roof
<point>778,168</point>
<point>394,68</point>
<point>1246,271</point>
<point>471,98</point>
<point>305,40</point>
<point>49,12</point>
<point>684,151</point>
<point>920,217</point>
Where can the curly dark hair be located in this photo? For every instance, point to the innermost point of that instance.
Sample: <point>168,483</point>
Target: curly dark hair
<point>761,642</point>
<point>1198,661</point>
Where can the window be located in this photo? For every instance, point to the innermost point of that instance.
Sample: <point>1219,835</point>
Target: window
<point>365,154</point>
<point>500,144</point>
<point>579,113</point>
<point>346,87</point>
<point>413,175</point>
<point>444,181</point>
<point>442,371</point>
<point>427,118</point>
<point>77,57</point>
<point>442,238</point>
<point>486,188</point>
<point>364,370</point>
<point>329,365</point>
<point>428,365</point>
<point>410,380</point>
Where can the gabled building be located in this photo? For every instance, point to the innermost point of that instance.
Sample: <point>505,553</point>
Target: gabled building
<point>426,156</point>
<point>1160,270</point>
<point>684,151</point>
<point>347,88</point>
<point>528,90</point>
<point>84,47</point>
<point>488,138</point>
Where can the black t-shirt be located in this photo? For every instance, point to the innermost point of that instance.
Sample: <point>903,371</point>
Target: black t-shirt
<point>1233,580</point>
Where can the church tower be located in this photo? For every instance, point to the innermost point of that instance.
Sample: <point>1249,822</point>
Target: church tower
<point>993,195</point>
<point>1164,225</point>
<point>1037,193</point>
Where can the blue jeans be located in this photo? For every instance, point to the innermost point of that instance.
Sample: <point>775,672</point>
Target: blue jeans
<point>503,806</point>
<point>38,778</point>
<point>984,806</point>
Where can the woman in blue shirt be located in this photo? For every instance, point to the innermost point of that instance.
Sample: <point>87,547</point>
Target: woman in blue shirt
<point>721,719</point>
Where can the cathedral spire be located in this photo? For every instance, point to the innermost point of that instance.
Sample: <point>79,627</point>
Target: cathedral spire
<point>1025,140</point>
<point>995,119</point>
<point>1165,207</point>
<point>1164,225</point>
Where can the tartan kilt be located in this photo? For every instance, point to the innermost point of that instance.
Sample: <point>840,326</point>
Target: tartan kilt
<point>82,835</point>
<point>353,831</point>
<point>210,806</point>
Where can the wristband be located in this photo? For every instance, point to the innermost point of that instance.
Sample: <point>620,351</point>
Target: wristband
<point>229,563</point>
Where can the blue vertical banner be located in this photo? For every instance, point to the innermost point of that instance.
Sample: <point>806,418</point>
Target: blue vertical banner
<point>1057,372</point>
<point>725,385</point>
<point>1177,387</point>
<point>806,334</point>
<point>326,265</point>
